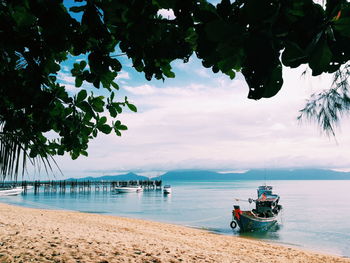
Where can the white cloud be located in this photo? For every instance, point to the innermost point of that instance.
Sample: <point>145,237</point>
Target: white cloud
<point>167,14</point>
<point>65,68</point>
<point>141,90</point>
<point>180,65</point>
<point>203,72</point>
<point>66,78</point>
<point>123,75</point>
<point>71,88</point>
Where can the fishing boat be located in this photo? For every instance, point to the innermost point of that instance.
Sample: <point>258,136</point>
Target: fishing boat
<point>10,191</point>
<point>167,189</point>
<point>263,217</point>
<point>128,189</point>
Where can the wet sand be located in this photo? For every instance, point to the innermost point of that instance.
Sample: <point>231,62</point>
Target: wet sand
<point>37,235</point>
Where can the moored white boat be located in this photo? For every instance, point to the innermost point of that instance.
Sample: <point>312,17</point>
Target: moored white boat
<point>10,191</point>
<point>167,189</point>
<point>128,189</point>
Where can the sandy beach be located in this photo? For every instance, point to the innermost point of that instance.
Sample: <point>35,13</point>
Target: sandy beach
<point>36,235</point>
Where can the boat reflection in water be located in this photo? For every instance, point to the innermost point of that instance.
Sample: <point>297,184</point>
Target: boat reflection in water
<point>263,217</point>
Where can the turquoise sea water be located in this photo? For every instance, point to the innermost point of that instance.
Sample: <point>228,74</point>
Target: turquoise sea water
<point>316,214</point>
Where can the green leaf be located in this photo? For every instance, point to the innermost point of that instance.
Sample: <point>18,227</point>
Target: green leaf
<point>293,55</point>
<point>105,128</point>
<point>74,155</point>
<point>86,107</point>
<point>343,26</point>
<point>117,132</point>
<point>81,96</point>
<point>231,74</point>
<point>23,17</point>
<point>97,104</point>
<point>60,151</point>
<point>112,111</point>
<point>320,57</point>
<point>102,120</point>
<point>217,30</point>
<point>115,85</point>
<point>82,64</point>
<point>122,127</point>
<point>226,65</point>
<point>78,81</point>
<point>274,82</point>
<point>131,107</point>
<point>118,108</point>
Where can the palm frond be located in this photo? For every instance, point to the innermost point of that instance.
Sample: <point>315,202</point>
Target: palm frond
<point>11,154</point>
<point>327,107</point>
<point>14,155</point>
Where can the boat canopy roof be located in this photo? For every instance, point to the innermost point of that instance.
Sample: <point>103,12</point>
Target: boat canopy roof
<point>265,187</point>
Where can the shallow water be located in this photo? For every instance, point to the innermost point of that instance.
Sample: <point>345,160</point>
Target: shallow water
<point>315,213</point>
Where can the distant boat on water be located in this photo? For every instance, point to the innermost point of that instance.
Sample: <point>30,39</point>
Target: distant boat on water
<point>167,189</point>
<point>10,191</point>
<point>128,189</point>
<point>263,217</point>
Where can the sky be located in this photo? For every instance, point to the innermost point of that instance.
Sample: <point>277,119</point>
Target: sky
<point>202,120</point>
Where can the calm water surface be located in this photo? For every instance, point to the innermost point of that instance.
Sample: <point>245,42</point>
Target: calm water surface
<point>316,214</point>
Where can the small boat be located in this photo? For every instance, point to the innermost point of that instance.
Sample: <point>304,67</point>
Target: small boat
<point>167,189</point>
<point>10,191</point>
<point>128,189</point>
<point>263,217</point>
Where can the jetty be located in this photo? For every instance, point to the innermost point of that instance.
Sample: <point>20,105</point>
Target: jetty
<point>73,186</point>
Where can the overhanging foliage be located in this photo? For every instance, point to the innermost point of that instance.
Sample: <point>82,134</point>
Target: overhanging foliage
<point>255,37</point>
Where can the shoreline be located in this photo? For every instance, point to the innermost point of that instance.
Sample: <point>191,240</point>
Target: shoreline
<point>39,235</point>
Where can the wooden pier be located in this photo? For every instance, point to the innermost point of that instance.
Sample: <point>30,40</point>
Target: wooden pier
<point>74,186</point>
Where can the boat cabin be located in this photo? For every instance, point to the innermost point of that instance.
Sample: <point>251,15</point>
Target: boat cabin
<point>267,206</point>
<point>264,189</point>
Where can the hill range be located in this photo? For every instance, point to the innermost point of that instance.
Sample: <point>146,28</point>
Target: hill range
<point>205,175</point>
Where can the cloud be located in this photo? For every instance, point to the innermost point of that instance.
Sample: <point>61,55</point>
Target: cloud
<point>141,90</point>
<point>203,72</point>
<point>66,78</point>
<point>167,14</point>
<point>65,68</point>
<point>182,66</point>
<point>123,75</point>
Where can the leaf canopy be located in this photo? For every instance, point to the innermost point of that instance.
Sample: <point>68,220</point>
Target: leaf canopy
<point>254,37</point>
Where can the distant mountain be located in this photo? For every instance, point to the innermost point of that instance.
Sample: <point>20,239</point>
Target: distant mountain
<point>192,175</point>
<point>280,174</point>
<point>121,177</point>
<point>203,175</point>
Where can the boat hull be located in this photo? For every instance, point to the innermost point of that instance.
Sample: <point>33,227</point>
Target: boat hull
<point>247,222</point>
<point>11,192</point>
<point>127,189</point>
<point>167,190</point>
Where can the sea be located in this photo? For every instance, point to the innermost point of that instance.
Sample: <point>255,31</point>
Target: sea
<point>315,215</point>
